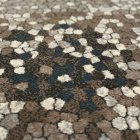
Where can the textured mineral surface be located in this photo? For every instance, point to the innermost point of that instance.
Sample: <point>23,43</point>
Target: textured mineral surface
<point>69,69</point>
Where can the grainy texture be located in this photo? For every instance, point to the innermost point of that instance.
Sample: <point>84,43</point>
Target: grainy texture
<point>69,70</point>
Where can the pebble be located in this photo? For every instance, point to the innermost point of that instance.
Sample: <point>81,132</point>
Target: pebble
<point>10,121</point>
<point>78,32</point>
<point>15,44</point>
<point>59,104</point>
<point>94,59</point>
<point>16,62</point>
<point>58,37</point>
<point>89,68</point>
<point>103,137</point>
<point>35,129</point>
<point>22,86</point>
<point>16,106</point>
<point>120,47</point>
<point>113,41</point>
<point>122,66</point>
<point>129,16</point>
<point>128,92</point>
<point>133,123</point>
<point>46,70</point>
<point>19,70</point>
<point>136,90</point>
<point>108,74</point>
<point>110,101</point>
<point>69,50</point>
<point>76,54</point>
<point>103,91</point>
<point>119,123</point>
<point>120,109</point>
<point>48,27</point>
<point>3,133</point>
<point>107,53</point>
<point>48,103</point>
<point>39,38</point>
<point>65,127</point>
<point>50,129</point>
<point>102,41</point>
<point>52,45</point>
<point>133,111</point>
<point>33,32</point>
<point>4,108</point>
<point>134,65</point>
<point>1,71</point>
<point>64,78</point>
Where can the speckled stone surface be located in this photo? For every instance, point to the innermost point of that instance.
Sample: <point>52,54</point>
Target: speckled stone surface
<point>70,70</point>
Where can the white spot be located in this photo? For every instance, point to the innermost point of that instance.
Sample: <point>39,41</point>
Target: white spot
<point>119,123</point>
<point>76,54</point>
<point>133,123</point>
<point>39,38</point>
<point>133,111</point>
<point>48,27</point>
<point>16,106</point>
<point>108,74</point>
<point>1,71</point>
<point>4,109</point>
<point>102,41</point>
<point>136,89</point>
<point>128,92</point>
<point>110,101</point>
<point>66,127</point>
<point>69,49</point>
<point>88,68</point>
<point>107,53</point>
<point>34,54</point>
<point>59,104</point>
<point>58,37</point>
<point>15,44</point>
<point>19,70</point>
<point>122,66</point>
<point>120,109</point>
<point>64,78</point>
<point>33,32</point>
<point>3,133</point>
<point>103,91</point>
<point>94,59</point>
<point>16,62</point>
<point>52,45</point>
<point>78,32</point>
<point>48,103</point>
<point>120,47</point>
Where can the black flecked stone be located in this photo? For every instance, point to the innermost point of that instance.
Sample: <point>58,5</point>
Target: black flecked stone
<point>86,77</point>
<point>58,52</point>
<point>19,35</point>
<point>83,61</point>
<point>66,95</point>
<point>100,66</point>
<point>114,83</point>
<point>127,55</point>
<point>90,92</point>
<point>30,78</point>
<point>88,105</point>
<point>64,26</point>
<point>25,56</point>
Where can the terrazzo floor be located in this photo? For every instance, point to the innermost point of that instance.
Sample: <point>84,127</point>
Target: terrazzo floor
<point>69,69</point>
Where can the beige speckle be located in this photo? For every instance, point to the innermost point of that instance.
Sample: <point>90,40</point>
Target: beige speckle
<point>22,86</point>
<point>46,70</point>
